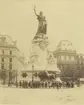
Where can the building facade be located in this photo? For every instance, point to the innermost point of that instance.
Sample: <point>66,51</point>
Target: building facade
<point>66,58</point>
<point>80,64</point>
<point>10,56</point>
<point>65,54</point>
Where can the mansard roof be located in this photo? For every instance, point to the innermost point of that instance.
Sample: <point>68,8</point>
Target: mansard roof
<point>6,41</point>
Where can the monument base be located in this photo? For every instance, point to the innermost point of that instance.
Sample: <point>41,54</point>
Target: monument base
<point>39,55</point>
<point>39,51</point>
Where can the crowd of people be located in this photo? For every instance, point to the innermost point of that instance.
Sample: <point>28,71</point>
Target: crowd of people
<point>46,84</point>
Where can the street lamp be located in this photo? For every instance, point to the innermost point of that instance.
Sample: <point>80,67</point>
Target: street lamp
<point>32,72</point>
<point>33,60</point>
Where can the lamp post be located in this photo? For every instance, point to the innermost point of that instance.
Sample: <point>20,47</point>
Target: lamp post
<point>33,60</point>
<point>32,72</point>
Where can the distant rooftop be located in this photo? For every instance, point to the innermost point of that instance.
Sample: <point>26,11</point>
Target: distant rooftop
<point>6,40</point>
<point>65,45</point>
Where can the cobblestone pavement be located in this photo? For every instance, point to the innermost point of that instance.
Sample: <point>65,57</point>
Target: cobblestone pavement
<point>17,96</point>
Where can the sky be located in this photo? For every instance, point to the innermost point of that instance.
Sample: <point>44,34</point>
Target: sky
<point>65,20</point>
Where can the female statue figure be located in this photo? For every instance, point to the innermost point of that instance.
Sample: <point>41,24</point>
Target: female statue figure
<point>42,26</point>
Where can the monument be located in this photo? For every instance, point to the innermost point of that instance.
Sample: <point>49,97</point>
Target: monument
<point>40,43</point>
<point>39,50</point>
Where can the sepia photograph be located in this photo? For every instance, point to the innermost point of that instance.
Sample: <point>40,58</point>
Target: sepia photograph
<point>41,52</point>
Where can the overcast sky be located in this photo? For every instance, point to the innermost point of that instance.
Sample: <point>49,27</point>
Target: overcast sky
<point>65,20</point>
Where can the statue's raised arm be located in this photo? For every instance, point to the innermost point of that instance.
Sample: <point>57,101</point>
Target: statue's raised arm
<point>35,11</point>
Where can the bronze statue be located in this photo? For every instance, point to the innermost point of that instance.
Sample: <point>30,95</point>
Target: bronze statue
<point>42,26</point>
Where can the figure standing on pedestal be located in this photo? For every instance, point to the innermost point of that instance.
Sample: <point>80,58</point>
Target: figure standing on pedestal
<point>42,26</point>
<point>40,38</point>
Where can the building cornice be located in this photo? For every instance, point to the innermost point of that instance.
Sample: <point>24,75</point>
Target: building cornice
<point>57,52</point>
<point>9,46</point>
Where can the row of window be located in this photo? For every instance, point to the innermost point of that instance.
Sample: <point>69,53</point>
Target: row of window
<point>3,66</point>
<point>2,59</point>
<point>67,44</point>
<point>2,52</point>
<point>81,62</point>
<point>81,57</point>
<point>66,58</point>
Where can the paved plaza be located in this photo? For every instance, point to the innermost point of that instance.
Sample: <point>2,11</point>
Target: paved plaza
<point>16,96</point>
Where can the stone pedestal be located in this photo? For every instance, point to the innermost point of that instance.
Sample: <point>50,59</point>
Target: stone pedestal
<point>39,55</point>
<point>39,51</point>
